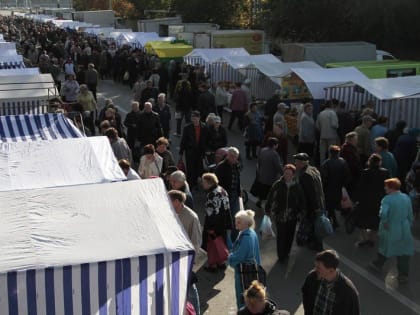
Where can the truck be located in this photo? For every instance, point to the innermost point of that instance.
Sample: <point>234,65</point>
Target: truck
<point>323,53</point>
<point>158,25</point>
<point>103,18</point>
<point>382,69</point>
<point>251,40</point>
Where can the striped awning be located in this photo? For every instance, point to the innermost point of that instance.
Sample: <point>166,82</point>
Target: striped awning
<point>36,127</point>
<point>146,285</point>
<point>12,65</point>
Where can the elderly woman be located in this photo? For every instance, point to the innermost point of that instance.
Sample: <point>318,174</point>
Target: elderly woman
<point>256,302</point>
<point>217,218</point>
<point>178,181</point>
<point>150,163</point>
<point>88,103</point>
<point>395,238</point>
<point>246,249</point>
<point>286,202</point>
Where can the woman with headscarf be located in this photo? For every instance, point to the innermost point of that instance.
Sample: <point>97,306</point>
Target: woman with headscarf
<point>88,103</point>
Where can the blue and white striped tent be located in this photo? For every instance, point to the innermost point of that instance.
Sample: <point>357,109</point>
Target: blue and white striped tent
<point>36,127</point>
<point>93,249</point>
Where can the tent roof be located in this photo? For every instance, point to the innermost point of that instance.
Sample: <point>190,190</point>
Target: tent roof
<point>55,163</point>
<point>19,72</point>
<point>29,86</point>
<point>392,88</point>
<point>168,49</point>
<point>89,223</point>
<point>238,62</point>
<point>36,127</point>
<point>213,54</point>
<point>318,79</point>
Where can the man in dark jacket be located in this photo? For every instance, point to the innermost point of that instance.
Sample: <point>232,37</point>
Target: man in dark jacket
<point>131,123</point>
<point>164,112</point>
<point>350,154</point>
<point>327,290</point>
<point>309,179</point>
<point>148,127</point>
<point>228,173</point>
<point>205,102</point>
<point>193,143</point>
<point>335,175</point>
<point>393,134</point>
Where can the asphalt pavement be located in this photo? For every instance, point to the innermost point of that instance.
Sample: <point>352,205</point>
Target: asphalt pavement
<point>380,294</point>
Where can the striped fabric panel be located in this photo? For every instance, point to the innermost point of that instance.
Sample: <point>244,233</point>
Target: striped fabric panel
<point>23,107</point>
<point>147,285</point>
<point>36,127</point>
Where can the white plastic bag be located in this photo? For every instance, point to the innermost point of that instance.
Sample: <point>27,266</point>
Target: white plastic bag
<point>266,228</point>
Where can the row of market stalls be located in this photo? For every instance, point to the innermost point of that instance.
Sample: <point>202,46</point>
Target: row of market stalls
<point>75,237</point>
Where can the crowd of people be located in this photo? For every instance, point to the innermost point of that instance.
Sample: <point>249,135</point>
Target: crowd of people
<point>339,153</point>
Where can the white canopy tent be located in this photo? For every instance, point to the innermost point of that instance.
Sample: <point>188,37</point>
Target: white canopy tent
<point>318,79</point>
<point>93,249</point>
<point>395,98</point>
<point>205,56</point>
<point>56,163</point>
<point>21,94</point>
<point>19,72</point>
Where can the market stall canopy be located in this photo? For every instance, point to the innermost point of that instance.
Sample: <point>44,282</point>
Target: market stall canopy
<point>20,128</point>
<point>88,223</point>
<point>239,62</point>
<point>168,49</point>
<point>56,163</point>
<point>19,72</point>
<point>283,69</point>
<point>210,55</point>
<point>27,86</point>
<point>318,79</point>
<point>391,88</point>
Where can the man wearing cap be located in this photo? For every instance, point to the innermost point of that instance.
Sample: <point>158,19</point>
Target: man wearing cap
<point>193,143</point>
<point>364,146</point>
<point>327,125</point>
<point>309,179</point>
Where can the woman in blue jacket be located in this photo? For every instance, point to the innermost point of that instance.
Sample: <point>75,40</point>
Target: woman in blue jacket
<point>395,238</point>
<point>246,249</point>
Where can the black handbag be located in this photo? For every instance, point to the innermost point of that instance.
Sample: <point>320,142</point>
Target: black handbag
<point>250,272</point>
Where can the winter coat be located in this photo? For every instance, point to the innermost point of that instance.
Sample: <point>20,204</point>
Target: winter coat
<point>335,175</point>
<point>269,167</point>
<point>148,128</point>
<point>216,138</point>
<point>310,181</point>
<point>370,191</point>
<point>254,127</point>
<point>396,240</point>
<point>206,104</point>
<point>286,203</point>
<point>346,295</point>
<point>217,217</point>
<point>270,309</point>
<point>350,154</point>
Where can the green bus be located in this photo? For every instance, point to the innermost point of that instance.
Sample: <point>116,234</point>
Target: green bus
<point>382,69</point>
